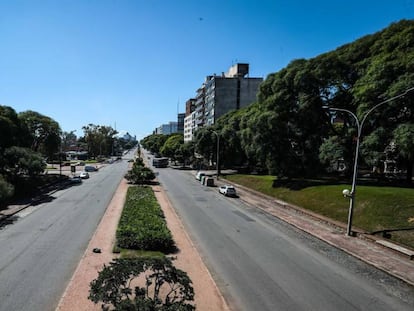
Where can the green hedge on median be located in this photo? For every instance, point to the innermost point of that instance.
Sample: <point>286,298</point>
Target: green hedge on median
<point>142,225</point>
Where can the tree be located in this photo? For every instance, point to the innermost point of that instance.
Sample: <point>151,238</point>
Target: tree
<point>68,139</point>
<point>6,190</point>
<point>21,161</point>
<point>165,287</point>
<point>331,152</point>
<point>154,142</point>
<point>187,152</point>
<point>204,143</point>
<point>99,139</point>
<point>172,147</point>
<point>404,139</point>
<point>231,151</point>
<point>139,174</point>
<point>43,132</point>
<point>11,129</point>
<point>373,146</point>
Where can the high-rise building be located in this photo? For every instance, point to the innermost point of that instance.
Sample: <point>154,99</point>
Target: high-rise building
<point>180,123</point>
<point>167,129</point>
<point>189,126</point>
<point>221,94</point>
<point>230,91</point>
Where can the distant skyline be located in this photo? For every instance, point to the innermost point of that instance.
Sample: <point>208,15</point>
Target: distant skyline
<point>130,64</point>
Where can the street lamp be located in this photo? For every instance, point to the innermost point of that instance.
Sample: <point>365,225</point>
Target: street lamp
<point>218,145</point>
<point>351,194</point>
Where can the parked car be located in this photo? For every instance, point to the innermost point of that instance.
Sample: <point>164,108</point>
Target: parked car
<point>199,175</point>
<point>209,182</point>
<point>90,168</point>
<point>228,191</point>
<point>84,175</point>
<point>75,180</point>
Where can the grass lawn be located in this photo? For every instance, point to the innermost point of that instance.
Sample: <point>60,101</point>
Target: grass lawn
<point>376,208</point>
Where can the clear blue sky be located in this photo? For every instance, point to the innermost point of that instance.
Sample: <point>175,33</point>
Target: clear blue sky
<point>129,64</point>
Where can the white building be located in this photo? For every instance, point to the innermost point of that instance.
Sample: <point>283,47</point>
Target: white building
<point>189,126</point>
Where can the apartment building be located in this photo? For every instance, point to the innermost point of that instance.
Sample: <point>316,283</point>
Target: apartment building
<point>189,126</point>
<point>166,129</point>
<point>221,94</point>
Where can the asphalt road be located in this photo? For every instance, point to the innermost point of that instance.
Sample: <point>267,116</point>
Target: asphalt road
<point>42,248</point>
<point>261,263</point>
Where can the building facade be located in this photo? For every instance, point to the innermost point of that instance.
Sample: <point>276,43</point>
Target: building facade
<point>189,126</point>
<point>180,123</point>
<point>167,129</point>
<point>220,94</point>
<point>230,91</point>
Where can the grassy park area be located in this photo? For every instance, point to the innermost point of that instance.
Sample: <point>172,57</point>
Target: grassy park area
<point>376,208</point>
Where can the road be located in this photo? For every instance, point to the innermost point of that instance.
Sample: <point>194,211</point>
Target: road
<point>42,248</point>
<point>261,263</point>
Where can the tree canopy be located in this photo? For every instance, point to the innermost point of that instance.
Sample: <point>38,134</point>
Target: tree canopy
<point>100,139</point>
<point>286,129</point>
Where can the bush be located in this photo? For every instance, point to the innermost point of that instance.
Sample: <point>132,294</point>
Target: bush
<point>139,174</point>
<point>6,190</point>
<point>142,224</point>
<point>164,287</point>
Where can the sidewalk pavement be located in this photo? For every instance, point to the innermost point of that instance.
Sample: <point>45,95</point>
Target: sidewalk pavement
<point>373,250</point>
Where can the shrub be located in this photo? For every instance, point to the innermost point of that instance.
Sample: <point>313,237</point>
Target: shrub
<point>164,287</point>
<point>139,174</point>
<point>6,190</point>
<point>142,224</point>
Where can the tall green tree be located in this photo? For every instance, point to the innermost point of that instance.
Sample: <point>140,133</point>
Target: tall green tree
<point>404,139</point>
<point>20,161</point>
<point>154,142</point>
<point>12,130</point>
<point>172,147</point>
<point>99,139</point>
<point>43,131</point>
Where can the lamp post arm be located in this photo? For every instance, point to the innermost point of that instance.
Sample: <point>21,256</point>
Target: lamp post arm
<point>385,102</point>
<point>359,126</point>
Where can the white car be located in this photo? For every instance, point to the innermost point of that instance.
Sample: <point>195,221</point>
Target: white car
<point>228,191</point>
<point>84,175</point>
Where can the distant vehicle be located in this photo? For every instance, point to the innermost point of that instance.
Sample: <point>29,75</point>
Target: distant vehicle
<point>199,175</point>
<point>160,162</point>
<point>90,168</point>
<point>228,191</point>
<point>84,175</point>
<point>75,180</point>
<point>209,182</point>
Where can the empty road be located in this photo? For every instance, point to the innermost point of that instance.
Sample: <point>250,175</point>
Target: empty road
<point>261,263</point>
<point>41,249</point>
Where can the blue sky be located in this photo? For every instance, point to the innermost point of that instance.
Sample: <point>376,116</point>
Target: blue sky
<point>129,64</point>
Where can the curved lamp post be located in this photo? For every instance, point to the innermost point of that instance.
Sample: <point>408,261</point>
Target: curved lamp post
<point>218,145</point>
<point>351,194</point>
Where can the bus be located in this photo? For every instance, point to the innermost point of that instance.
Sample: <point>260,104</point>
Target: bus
<point>160,162</point>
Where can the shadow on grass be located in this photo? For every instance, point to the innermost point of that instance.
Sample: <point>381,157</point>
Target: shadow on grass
<point>299,184</point>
